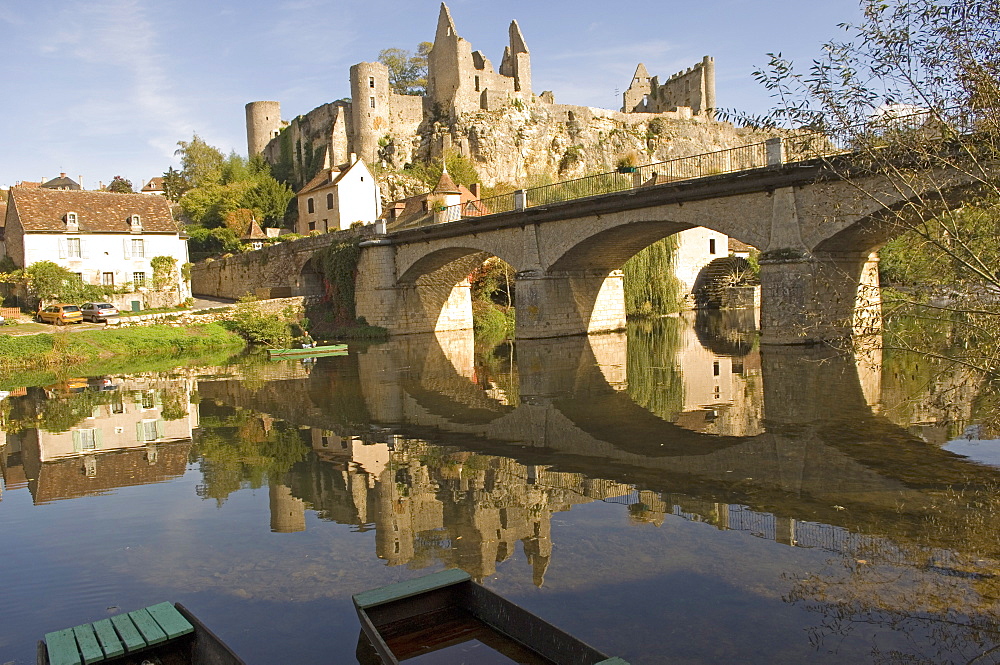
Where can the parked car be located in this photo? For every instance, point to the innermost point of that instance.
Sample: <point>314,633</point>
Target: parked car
<point>61,314</point>
<point>98,311</point>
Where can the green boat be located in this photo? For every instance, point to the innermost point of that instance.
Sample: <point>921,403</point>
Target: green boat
<point>328,350</point>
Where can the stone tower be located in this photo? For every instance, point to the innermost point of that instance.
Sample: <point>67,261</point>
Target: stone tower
<point>263,124</point>
<point>516,61</point>
<point>370,101</point>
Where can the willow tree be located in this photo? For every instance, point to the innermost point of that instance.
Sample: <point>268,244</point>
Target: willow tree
<point>913,91</point>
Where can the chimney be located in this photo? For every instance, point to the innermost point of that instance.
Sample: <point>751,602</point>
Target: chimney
<point>352,158</point>
<point>474,188</point>
<point>62,175</point>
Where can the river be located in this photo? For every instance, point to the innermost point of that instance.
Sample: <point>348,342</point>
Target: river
<point>670,495</point>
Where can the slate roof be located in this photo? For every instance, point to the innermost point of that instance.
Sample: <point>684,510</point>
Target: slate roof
<point>254,232</point>
<point>62,182</point>
<point>44,211</point>
<point>446,185</point>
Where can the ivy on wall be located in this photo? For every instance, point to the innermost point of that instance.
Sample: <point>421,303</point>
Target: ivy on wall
<point>338,265</point>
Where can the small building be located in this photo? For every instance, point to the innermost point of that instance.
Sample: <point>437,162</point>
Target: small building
<point>447,202</point>
<point>62,183</point>
<point>254,237</point>
<point>107,239</point>
<point>337,197</point>
<point>154,186</point>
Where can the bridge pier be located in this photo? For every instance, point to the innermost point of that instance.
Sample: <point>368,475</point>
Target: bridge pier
<point>436,301</point>
<point>819,297</point>
<point>568,303</point>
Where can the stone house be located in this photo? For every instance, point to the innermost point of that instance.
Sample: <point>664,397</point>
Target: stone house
<point>154,186</point>
<point>107,239</point>
<point>436,206</point>
<point>337,197</point>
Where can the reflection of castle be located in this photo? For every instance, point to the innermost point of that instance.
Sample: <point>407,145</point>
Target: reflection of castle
<point>430,505</point>
<point>721,390</point>
<point>129,432</point>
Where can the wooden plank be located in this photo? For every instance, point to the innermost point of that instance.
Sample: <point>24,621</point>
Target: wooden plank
<point>410,587</point>
<point>87,641</point>
<point>170,620</point>
<point>62,648</point>
<point>131,637</point>
<point>151,632</point>
<point>108,638</point>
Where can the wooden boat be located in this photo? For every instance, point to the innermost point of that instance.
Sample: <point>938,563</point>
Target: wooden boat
<point>447,610</point>
<point>328,350</point>
<point>162,633</point>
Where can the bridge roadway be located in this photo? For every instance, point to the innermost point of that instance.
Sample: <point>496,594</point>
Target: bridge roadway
<point>818,223</point>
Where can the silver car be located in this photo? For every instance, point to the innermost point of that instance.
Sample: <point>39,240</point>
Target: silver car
<point>98,311</point>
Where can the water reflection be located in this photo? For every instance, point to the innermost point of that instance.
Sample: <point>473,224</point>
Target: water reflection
<point>84,436</point>
<point>442,456</point>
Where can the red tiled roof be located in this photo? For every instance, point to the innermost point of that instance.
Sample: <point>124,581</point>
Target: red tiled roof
<point>44,210</point>
<point>446,185</point>
<point>325,178</point>
<point>254,232</point>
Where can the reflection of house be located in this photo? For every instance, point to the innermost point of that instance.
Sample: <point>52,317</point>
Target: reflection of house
<point>337,197</point>
<point>126,440</point>
<point>107,239</point>
<point>718,394</point>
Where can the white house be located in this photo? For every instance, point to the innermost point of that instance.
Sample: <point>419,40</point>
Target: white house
<point>337,197</point>
<point>107,239</point>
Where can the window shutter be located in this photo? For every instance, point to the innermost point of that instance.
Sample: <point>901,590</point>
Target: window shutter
<point>62,248</point>
<point>77,444</point>
<point>84,249</point>
<point>98,437</point>
<point>139,433</point>
<point>160,428</point>
<point>128,249</point>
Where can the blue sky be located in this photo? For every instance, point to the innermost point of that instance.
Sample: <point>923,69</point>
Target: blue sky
<point>100,88</point>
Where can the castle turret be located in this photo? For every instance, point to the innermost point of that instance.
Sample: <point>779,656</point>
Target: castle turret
<point>370,110</point>
<point>520,61</point>
<point>263,124</point>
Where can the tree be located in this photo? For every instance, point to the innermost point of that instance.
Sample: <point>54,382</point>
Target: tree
<point>913,91</point>
<point>407,71</point>
<point>201,164</point>
<point>120,185</point>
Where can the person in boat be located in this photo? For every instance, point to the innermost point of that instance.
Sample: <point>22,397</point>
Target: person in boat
<point>307,341</point>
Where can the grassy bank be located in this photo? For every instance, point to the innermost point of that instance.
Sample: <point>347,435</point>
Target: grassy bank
<point>111,347</point>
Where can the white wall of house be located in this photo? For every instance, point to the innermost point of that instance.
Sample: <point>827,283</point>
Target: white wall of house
<point>117,254</point>
<point>696,248</point>
<point>357,198</point>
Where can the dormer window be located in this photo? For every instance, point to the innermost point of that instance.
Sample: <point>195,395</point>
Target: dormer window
<point>72,222</point>
<point>135,223</point>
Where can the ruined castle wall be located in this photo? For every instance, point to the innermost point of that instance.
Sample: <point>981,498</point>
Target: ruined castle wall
<point>406,114</point>
<point>308,139</point>
<point>694,88</point>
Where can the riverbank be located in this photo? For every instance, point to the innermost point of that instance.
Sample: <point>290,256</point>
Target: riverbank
<point>50,351</point>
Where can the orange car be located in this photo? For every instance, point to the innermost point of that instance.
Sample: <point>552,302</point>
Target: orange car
<point>60,314</point>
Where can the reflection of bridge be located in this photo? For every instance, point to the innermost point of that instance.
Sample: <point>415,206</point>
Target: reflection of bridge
<point>818,232</point>
<point>823,446</point>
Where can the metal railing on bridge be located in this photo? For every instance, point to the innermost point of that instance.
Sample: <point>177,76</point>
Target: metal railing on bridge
<point>775,151</point>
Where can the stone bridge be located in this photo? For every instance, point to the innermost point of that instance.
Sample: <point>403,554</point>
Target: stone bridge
<point>819,233</point>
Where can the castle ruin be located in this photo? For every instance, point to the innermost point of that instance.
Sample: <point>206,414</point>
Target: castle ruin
<point>463,93</point>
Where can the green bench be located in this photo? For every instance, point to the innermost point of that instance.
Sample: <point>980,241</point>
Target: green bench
<point>112,638</point>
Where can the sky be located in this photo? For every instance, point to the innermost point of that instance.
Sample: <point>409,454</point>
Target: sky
<point>100,88</point>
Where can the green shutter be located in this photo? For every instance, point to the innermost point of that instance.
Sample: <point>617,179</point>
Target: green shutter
<point>77,444</point>
<point>98,437</point>
<point>139,434</point>
<point>160,428</point>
